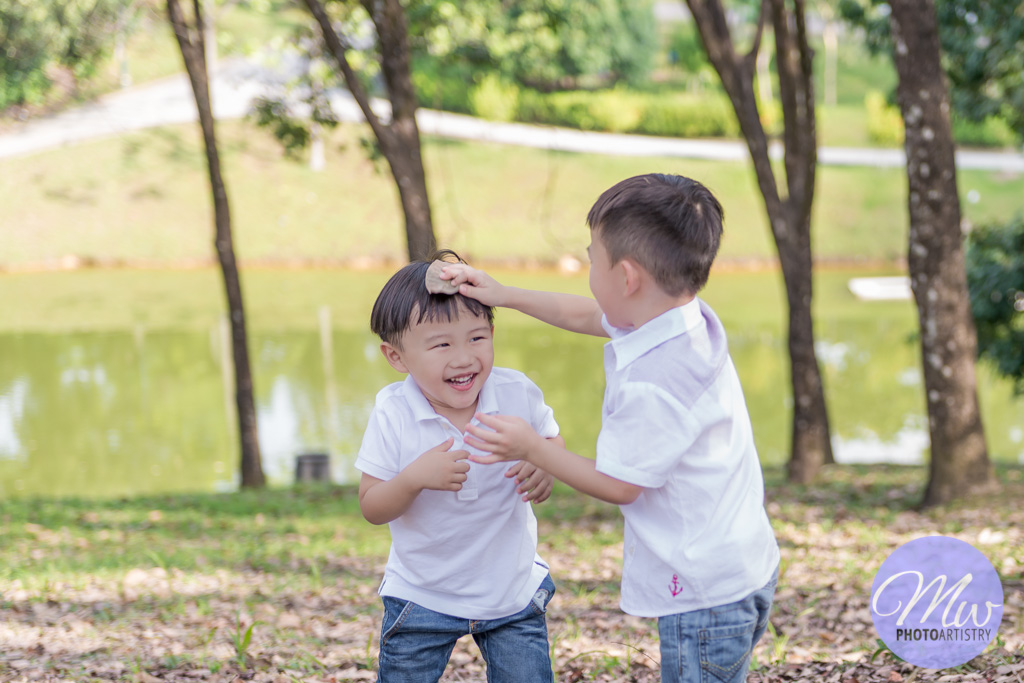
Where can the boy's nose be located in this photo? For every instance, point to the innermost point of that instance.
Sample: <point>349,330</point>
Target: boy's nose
<point>462,358</point>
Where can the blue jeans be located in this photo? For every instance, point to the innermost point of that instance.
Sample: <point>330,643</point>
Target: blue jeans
<point>416,643</point>
<point>714,645</point>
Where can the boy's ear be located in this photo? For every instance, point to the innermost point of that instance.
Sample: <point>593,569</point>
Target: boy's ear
<point>393,357</point>
<point>633,274</point>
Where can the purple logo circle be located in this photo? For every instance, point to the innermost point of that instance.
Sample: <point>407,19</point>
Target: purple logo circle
<point>937,602</point>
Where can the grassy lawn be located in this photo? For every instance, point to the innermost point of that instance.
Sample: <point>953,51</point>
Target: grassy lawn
<point>142,199</point>
<point>166,588</point>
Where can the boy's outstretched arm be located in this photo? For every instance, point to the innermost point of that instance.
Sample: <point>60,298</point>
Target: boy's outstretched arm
<point>568,311</point>
<point>439,469</point>
<point>514,439</point>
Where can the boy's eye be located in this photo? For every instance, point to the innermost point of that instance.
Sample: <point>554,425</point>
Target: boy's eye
<point>441,345</point>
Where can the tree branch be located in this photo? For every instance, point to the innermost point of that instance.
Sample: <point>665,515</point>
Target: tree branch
<point>750,60</point>
<point>738,80</point>
<point>337,48</point>
<point>796,92</point>
<point>388,19</point>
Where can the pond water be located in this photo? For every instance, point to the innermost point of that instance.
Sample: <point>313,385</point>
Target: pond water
<point>127,407</point>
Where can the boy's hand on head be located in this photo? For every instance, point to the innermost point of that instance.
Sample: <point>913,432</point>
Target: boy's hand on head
<point>439,469</point>
<point>512,438</point>
<point>475,284</point>
<point>534,483</point>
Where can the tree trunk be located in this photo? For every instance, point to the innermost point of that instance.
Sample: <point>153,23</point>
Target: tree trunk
<point>399,140</point>
<point>790,215</point>
<point>959,456</point>
<point>191,41</point>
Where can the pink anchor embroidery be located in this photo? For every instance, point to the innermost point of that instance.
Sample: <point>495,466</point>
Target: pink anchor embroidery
<point>675,587</point>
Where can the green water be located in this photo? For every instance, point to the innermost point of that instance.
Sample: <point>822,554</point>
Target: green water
<point>101,399</point>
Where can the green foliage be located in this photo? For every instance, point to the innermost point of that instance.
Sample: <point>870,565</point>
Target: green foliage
<point>995,277</point>
<point>981,43</point>
<point>41,37</point>
<point>689,117</point>
<point>687,52</point>
<point>273,113</point>
<point>981,56</point>
<point>309,89</point>
<point>442,86</point>
<point>241,639</point>
<point>885,123</point>
<point>991,132</point>
<point>494,99</point>
<point>545,44</point>
<point>615,110</point>
<point>623,111</point>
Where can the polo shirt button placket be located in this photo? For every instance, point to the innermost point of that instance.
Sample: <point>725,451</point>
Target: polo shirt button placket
<point>469,490</point>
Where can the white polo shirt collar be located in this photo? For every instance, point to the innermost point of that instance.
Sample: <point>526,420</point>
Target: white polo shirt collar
<point>630,344</point>
<point>487,401</point>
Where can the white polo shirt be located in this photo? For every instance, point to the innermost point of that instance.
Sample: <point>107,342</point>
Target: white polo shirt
<point>470,554</point>
<point>675,423</point>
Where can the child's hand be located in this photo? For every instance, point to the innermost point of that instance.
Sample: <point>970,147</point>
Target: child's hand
<point>439,469</point>
<point>512,439</point>
<point>477,284</point>
<point>534,483</point>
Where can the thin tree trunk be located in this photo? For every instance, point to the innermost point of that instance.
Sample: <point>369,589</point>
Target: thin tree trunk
<point>789,215</point>
<point>191,41</point>
<point>959,455</point>
<point>399,140</point>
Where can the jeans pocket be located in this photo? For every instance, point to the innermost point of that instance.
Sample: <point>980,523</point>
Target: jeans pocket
<point>539,603</point>
<point>395,613</point>
<point>725,652</point>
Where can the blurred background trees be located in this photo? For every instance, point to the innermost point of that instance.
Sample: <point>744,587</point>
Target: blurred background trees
<point>56,45</point>
<point>604,65</point>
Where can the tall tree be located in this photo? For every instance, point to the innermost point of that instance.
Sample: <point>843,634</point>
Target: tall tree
<point>959,456</point>
<point>788,204</point>
<point>399,139</point>
<point>191,40</point>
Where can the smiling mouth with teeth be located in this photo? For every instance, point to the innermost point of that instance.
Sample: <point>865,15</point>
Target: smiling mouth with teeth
<point>461,381</point>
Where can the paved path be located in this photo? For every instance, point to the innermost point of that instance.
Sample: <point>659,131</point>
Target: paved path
<point>236,82</point>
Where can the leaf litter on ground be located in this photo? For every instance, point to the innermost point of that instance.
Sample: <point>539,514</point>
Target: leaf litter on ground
<point>307,610</point>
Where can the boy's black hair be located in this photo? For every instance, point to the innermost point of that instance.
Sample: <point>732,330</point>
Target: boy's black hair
<point>669,224</point>
<point>406,295</point>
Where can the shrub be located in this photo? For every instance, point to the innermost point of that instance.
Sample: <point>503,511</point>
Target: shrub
<point>616,110</point>
<point>992,132</point>
<point>441,87</point>
<point>995,278</point>
<point>494,99</point>
<point>885,123</point>
<point>709,116</point>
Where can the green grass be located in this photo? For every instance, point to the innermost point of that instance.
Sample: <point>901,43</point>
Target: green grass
<point>283,582</point>
<point>285,530</point>
<point>142,199</point>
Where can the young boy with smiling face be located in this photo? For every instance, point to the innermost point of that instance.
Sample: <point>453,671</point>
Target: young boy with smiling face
<point>463,555</point>
<point>675,449</point>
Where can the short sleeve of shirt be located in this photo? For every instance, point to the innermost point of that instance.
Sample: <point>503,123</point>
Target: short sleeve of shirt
<point>542,416</point>
<point>379,453</point>
<point>643,413</point>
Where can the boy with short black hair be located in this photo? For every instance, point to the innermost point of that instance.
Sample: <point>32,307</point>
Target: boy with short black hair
<point>676,450</point>
<point>463,555</point>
